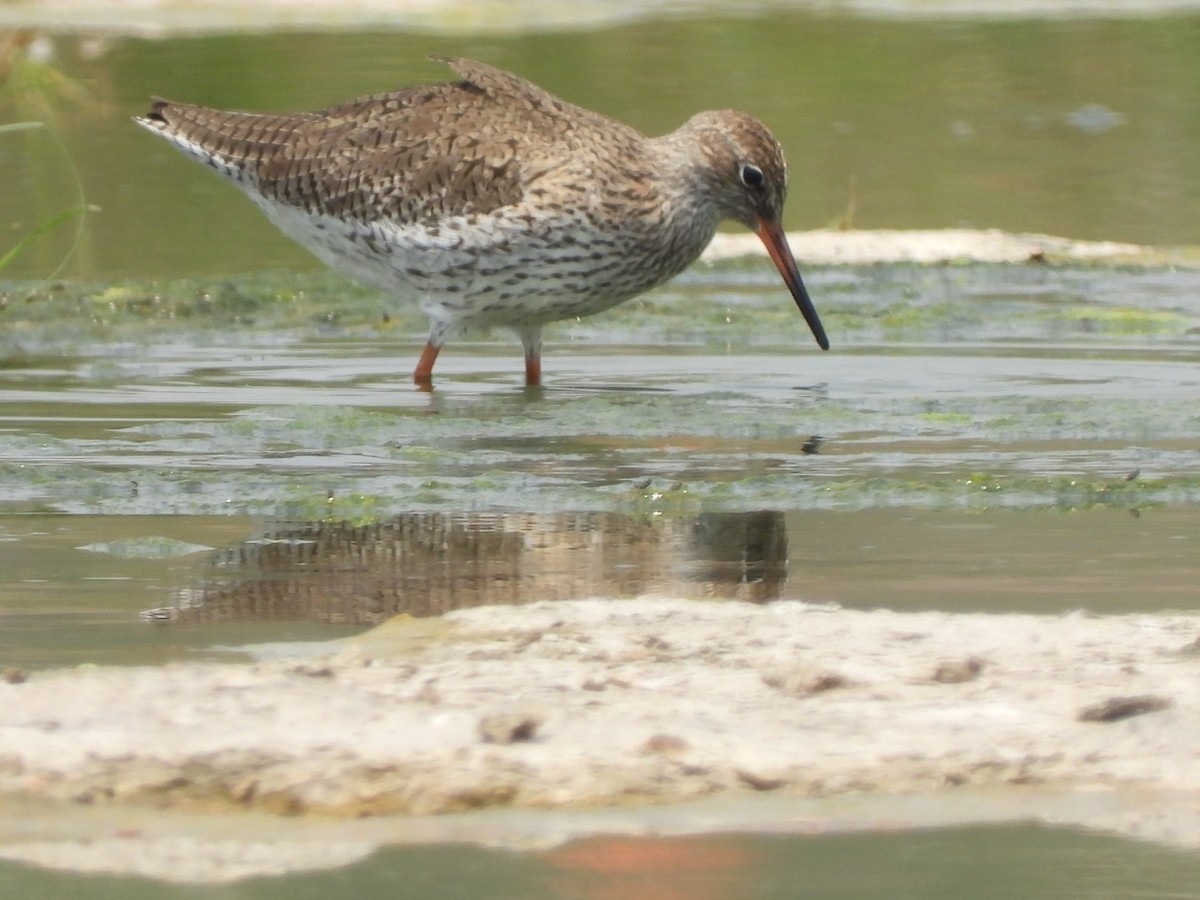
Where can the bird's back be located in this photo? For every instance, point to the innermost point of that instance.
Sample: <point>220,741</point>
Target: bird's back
<point>410,156</point>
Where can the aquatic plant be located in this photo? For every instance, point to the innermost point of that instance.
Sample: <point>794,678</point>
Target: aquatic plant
<point>30,83</point>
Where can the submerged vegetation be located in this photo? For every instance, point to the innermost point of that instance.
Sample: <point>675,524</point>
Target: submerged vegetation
<point>723,304</point>
<point>963,386</point>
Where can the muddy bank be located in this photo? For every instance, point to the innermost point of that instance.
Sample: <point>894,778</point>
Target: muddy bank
<point>598,703</point>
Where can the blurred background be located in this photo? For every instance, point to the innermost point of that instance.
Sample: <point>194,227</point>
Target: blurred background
<point>1081,127</point>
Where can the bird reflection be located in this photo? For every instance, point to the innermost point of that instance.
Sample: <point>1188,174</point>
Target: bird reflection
<point>426,564</point>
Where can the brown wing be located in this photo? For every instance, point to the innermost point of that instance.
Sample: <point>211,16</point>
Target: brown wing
<point>409,156</point>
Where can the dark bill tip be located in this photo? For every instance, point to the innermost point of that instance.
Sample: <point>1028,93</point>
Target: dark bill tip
<point>771,234</point>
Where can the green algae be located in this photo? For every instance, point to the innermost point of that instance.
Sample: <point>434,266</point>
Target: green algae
<point>285,396</point>
<point>732,303</point>
<point>1129,320</point>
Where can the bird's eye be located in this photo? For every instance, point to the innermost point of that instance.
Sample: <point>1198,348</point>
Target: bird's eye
<point>752,176</point>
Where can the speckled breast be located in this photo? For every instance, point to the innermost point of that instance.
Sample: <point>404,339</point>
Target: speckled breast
<point>507,268</point>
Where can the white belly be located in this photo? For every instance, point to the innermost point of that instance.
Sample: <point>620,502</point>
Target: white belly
<point>513,268</point>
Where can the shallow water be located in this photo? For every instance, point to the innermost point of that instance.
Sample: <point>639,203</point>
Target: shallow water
<point>145,463</point>
<point>964,862</point>
<point>1083,128</point>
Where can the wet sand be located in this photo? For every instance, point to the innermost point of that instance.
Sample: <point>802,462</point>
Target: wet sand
<point>593,703</point>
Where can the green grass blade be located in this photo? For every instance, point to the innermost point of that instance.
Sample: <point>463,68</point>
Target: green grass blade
<point>51,223</point>
<point>20,126</point>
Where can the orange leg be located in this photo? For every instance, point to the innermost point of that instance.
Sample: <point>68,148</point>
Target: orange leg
<point>423,374</point>
<point>533,368</point>
<point>531,340</point>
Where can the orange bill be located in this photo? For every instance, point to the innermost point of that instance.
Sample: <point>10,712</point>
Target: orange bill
<point>771,234</point>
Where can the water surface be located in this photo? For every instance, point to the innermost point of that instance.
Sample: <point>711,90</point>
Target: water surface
<point>1027,442</point>
<point>964,862</point>
<point>1083,128</point>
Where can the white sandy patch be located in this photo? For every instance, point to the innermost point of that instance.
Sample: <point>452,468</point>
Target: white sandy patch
<point>828,247</point>
<point>628,702</point>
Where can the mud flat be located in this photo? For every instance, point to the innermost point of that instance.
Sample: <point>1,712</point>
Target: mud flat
<point>595,704</point>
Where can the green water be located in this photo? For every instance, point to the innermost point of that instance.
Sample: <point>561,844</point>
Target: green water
<point>980,862</point>
<point>1082,128</point>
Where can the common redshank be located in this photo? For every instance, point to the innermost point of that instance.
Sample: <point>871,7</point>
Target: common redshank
<point>489,201</point>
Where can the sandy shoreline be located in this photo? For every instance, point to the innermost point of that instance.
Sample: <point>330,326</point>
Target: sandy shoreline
<point>824,247</point>
<point>588,704</point>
